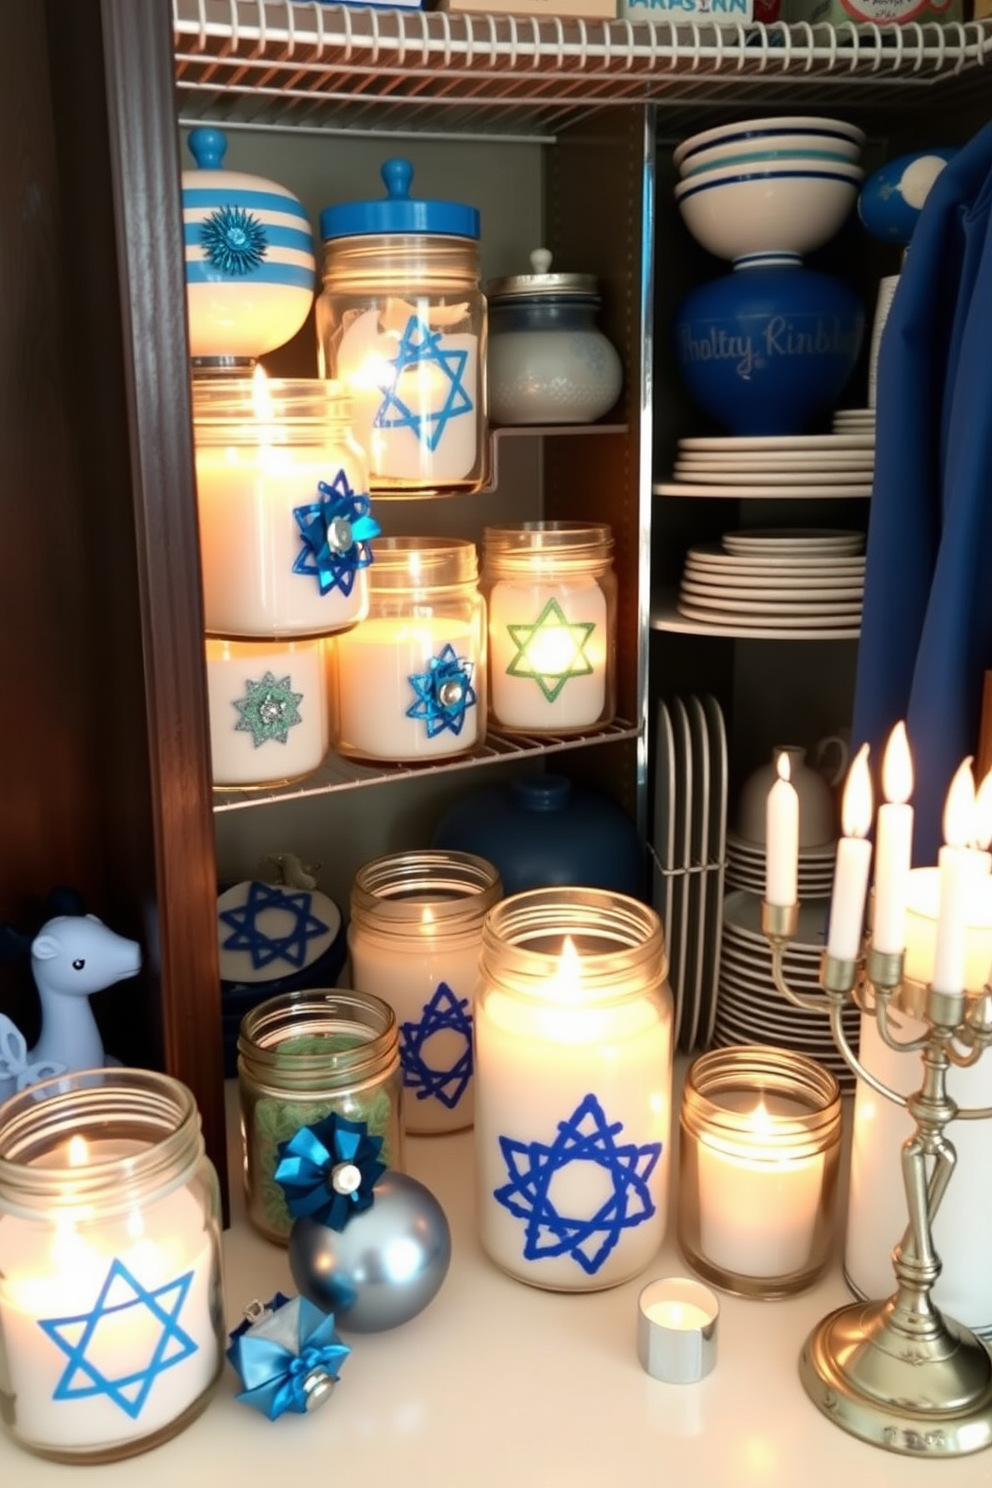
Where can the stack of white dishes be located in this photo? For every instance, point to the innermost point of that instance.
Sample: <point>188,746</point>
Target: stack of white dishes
<point>689,839</point>
<point>746,867</point>
<point>804,582</point>
<point>855,421</point>
<point>795,467</point>
<point>750,1008</point>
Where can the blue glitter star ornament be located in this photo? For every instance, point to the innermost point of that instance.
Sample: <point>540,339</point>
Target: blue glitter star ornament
<point>328,1171</point>
<point>247,933</point>
<point>336,530</point>
<point>269,709</point>
<point>287,1355</point>
<point>234,241</point>
<point>91,1340</point>
<point>445,1013</point>
<point>427,351</point>
<point>585,1137</point>
<point>444,693</point>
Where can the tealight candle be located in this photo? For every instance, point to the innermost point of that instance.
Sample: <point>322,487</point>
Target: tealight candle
<point>677,1329</point>
<point>111,1324</point>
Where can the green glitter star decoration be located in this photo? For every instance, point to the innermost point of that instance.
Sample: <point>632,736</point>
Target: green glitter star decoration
<point>269,709</point>
<point>551,650</point>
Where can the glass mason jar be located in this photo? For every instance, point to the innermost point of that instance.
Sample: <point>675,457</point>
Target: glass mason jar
<point>409,683</point>
<point>268,711</point>
<point>573,1087</point>
<point>414,938</point>
<point>111,1304</point>
<point>759,1155</point>
<point>302,1056</point>
<point>282,495</point>
<point>551,595</point>
<point>402,322</point>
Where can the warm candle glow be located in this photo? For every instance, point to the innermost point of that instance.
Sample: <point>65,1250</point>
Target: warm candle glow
<point>982,827</point>
<point>856,810</point>
<point>783,767</point>
<point>897,767</point>
<point>959,808</point>
<point>261,396</point>
<point>79,1152</point>
<point>567,974</point>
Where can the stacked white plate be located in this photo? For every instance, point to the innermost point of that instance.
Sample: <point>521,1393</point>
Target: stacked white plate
<point>750,1008</point>
<point>795,466</point>
<point>854,421</point>
<point>746,867</point>
<point>777,581</point>
<point>689,843</point>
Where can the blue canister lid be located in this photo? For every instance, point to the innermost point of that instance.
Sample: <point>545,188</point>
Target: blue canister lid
<point>399,212</point>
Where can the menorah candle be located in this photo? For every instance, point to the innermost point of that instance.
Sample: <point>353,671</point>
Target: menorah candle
<point>409,683</point>
<point>551,595</point>
<point>268,711</point>
<point>111,1312</point>
<point>782,839</point>
<point>283,505</point>
<point>414,938</point>
<point>759,1154</point>
<point>573,1048</point>
<point>850,891</point>
<point>893,846</point>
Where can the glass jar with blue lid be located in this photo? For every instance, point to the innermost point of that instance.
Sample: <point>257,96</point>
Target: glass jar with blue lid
<point>402,322</point>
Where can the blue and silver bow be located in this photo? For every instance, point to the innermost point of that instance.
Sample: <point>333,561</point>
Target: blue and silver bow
<point>328,1171</point>
<point>336,531</point>
<point>287,1355</point>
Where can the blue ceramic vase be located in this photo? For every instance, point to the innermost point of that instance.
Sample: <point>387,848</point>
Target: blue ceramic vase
<point>769,348</point>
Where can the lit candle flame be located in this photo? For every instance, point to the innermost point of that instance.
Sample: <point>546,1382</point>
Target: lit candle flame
<point>261,396</point>
<point>783,767</point>
<point>959,808</point>
<point>983,814</point>
<point>78,1152</point>
<point>567,973</point>
<point>856,810</point>
<point>759,1120</point>
<point>897,767</point>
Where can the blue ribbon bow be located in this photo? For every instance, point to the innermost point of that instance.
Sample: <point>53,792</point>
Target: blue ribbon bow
<point>328,1171</point>
<point>287,1356</point>
<point>336,531</point>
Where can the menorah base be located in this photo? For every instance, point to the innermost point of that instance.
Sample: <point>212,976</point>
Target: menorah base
<point>925,1394</point>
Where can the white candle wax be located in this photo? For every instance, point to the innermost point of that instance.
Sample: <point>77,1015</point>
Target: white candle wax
<point>782,840</point>
<point>893,846</point>
<point>535,1065</point>
<point>400,412</point>
<point>85,1305</point>
<point>757,1209</point>
<point>552,678</point>
<point>683,1317</point>
<point>250,541</point>
<point>923,902</point>
<point>955,875</point>
<point>847,907</point>
<point>268,710</point>
<point>374,664</point>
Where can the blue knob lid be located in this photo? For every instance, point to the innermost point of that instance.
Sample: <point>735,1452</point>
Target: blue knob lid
<point>399,212</point>
<point>208,147</point>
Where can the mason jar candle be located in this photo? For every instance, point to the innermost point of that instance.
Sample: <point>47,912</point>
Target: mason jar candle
<point>759,1155</point>
<point>111,1307</point>
<point>551,595</point>
<point>409,683</point>
<point>268,711</point>
<point>573,1087</point>
<point>414,939</point>
<point>302,1056</point>
<point>402,322</point>
<point>283,503</point>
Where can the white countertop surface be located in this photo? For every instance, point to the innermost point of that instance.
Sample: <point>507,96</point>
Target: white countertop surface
<point>496,1383</point>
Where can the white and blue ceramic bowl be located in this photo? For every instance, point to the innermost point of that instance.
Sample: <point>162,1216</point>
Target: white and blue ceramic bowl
<point>772,209</point>
<point>772,150</point>
<point>822,133</point>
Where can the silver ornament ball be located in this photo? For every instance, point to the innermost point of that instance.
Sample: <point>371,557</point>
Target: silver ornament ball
<point>385,1265</point>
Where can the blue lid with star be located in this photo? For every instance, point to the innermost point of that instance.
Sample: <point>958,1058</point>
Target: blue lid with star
<point>399,212</point>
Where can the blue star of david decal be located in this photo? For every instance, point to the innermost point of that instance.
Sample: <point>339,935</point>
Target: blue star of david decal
<point>586,1137</point>
<point>120,1293</point>
<point>444,693</point>
<point>444,1013</point>
<point>248,935</point>
<point>335,531</point>
<point>394,413</point>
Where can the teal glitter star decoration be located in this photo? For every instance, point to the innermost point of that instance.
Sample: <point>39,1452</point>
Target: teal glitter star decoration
<point>248,934</point>
<point>445,1013</point>
<point>429,350</point>
<point>444,693</point>
<point>336,530</point>
<point>234,240</point>
<point>92,1340</point>
<point>269,709</point>
<point>585,1137</point>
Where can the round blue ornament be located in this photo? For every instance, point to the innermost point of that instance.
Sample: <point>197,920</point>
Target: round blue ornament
<point>891,200</point>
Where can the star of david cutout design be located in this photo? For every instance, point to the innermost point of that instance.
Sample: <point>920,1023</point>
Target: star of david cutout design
<point>335,531</point>
<point>248,935</point>
<point>445,1013</point>
<point>444,693</point>
<point>234,240</point>
<point>268,710</point>
<point>96,1341</point>
<point>586,1137</point>
<point>551,650</point>
<point>429,351</point>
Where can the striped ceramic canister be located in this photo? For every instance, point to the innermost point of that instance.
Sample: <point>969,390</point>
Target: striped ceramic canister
<point>250,266</point>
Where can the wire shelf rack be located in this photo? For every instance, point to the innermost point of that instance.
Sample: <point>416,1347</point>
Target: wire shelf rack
<point>314,67</point>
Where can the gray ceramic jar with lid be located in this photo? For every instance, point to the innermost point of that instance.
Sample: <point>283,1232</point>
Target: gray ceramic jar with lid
<point>549,363</point>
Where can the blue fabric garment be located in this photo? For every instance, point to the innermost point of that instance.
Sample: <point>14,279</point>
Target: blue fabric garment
<point>926,635</point>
